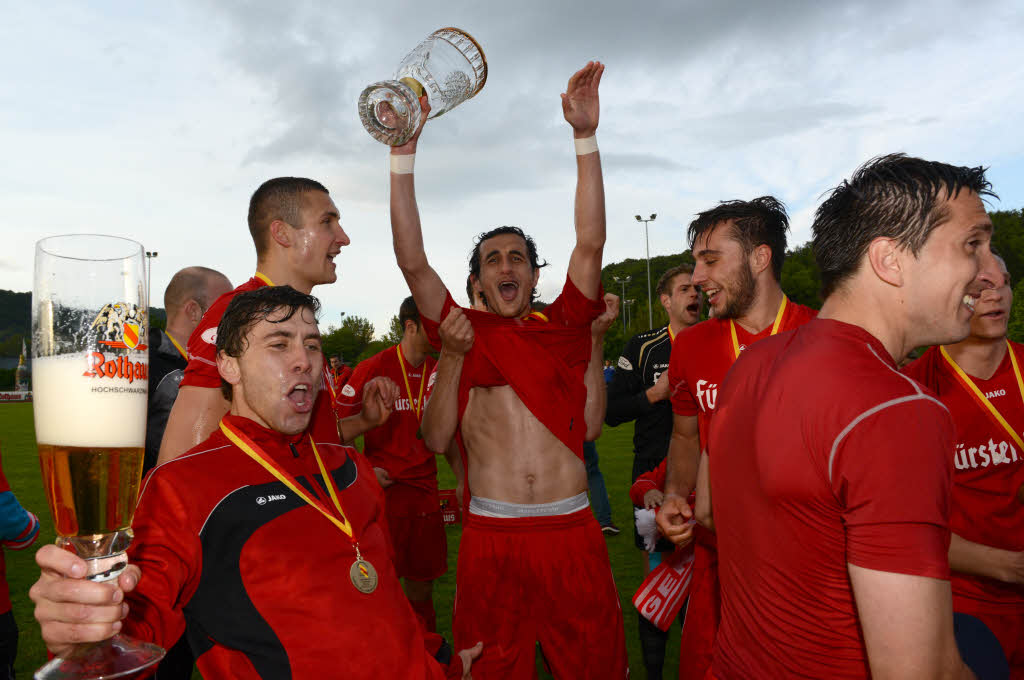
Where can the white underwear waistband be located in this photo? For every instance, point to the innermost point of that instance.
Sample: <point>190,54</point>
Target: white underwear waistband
<point>485,507</point>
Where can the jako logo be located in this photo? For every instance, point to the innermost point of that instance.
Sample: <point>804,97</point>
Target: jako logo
<point>709,395</point>
<point>995,393</point>
<point>263,500</point>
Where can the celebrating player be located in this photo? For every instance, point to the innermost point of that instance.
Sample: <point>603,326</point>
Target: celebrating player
<point>830,471</point>
<point>274,561</point>
<point>979,381</point>
<point>406,470</point>
<point>533,565</point>
<point>739,247</point>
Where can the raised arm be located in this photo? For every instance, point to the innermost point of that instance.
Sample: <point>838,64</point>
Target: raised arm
<point>426,286</point>
<point>581,108</point>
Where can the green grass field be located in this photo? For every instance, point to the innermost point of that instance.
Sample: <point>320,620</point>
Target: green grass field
<point>22,468</point>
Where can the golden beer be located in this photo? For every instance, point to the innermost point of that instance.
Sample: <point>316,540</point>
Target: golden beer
<point>91,490</point>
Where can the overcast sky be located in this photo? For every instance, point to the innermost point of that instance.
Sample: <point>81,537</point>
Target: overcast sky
<point>156,121</point>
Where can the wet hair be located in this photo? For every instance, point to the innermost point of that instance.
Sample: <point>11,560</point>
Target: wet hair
<point>408,312</point>
<point>894,196</point>
<point>664,286</point>
<point>531,253</point>
<point>247,309</point>
<point>191,283</point>
<point>761,221</point>
<point>278,199</point>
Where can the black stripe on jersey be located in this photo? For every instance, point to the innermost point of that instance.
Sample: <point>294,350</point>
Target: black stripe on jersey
<point>221,610</point>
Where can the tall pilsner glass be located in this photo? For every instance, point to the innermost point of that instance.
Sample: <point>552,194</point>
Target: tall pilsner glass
<point>90,369</point>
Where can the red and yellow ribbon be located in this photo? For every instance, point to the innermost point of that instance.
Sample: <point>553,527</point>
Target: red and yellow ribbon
<point>980,397</point>
<point>264,278</point>
<point>177,345</point>
<point>417,406</point>
<point>775,327</point>
<point>253,450</point>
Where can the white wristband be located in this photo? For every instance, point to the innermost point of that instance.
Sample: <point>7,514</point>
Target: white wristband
<point>586,145</point>
<point>402,165</point>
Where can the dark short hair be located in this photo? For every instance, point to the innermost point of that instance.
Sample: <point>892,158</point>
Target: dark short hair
<point>531,251</point>
<point>278,199</point>
<point>408,312</point>
<point>761,221</point>
<point>894,196</point>
<point>247,309</point>
<point>664,286</point>
<point>470,290</point>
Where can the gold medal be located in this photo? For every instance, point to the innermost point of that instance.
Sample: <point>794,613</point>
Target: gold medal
<point>364,576</point>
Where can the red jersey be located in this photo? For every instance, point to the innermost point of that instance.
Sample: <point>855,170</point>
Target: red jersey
<point>257,578</point>
<point>396,445</point>
<point>703,353</point>
<point>822,454</point>
<point>202,359</point>
<point>542,356</point>
<point>988,465</point>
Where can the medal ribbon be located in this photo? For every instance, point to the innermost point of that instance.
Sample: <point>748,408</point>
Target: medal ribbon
<point>775,327</point>
<point>329,379</point>
<point>417,406</point>
<point>253,450</point>
<point>672,336</point>
<point>177,345</point>
<point>264,278</point>
<point>980,397</point>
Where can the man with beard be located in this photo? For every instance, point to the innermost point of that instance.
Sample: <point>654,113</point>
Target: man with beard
<point>275,562</point>
<point>979,381</point>
<point>533,565</point>
<point>739,247</point>
<point>639,391</point>
<point>830,470</point>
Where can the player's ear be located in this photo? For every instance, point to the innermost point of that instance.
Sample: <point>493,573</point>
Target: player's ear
<point>666,301</point>
<point>536,276</point>
<point>761,258</point>
<point>475,280</point>
<point>228,368</point>
<point>885,258</point>
<point>281,233</point>
<point>193,311</point>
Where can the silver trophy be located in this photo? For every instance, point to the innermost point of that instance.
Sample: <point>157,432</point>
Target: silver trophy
<point>449,67</point>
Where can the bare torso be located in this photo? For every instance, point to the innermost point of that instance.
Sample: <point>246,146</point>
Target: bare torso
<point>512,456</point>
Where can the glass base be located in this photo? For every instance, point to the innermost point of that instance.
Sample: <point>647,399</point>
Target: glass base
<point>117,657</point>
<point>390,111</point>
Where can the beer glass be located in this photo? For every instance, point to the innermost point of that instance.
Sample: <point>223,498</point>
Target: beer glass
<point>448,66</point>
<point>90,369</point>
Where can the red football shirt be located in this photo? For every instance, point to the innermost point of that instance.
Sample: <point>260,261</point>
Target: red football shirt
<point>202,363</point>
<point>703,353</point>
<point>822,454</point>
<point>396,445</point>
<point>988,467</point>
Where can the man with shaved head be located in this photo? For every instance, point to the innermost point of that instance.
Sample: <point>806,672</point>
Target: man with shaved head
<point>187,297</point>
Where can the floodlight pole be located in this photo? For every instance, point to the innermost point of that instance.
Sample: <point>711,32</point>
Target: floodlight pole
<point>647,243</point>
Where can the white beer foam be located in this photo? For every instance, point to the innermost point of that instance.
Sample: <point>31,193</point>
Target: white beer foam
<point>72,409</point>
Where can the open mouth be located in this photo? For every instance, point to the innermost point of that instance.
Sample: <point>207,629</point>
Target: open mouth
<point>969,301</point>
<point>508,290</point>
<point>301,397</point>
<point>712,295</point>
<point>693,308</point>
